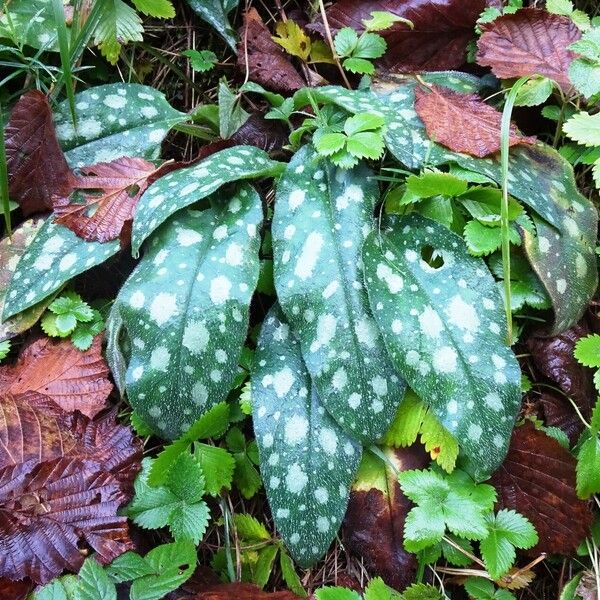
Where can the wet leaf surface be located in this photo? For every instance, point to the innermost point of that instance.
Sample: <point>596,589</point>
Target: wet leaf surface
<point>442,30</point>
<point>374,524</point>
<point>537,479</point>
<point>74,380</point>
<point>37,168</point>
<point>267,63</point>
<point>553,357</point>
<point>529,42</point>
<point>462,122</point>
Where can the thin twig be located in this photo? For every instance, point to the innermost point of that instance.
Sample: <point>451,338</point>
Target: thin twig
<point>336,58</point>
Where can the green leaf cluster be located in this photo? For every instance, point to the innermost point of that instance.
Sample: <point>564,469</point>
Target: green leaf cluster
<point>201,60</point>
<point>69,316</point>
<point>358,52</point>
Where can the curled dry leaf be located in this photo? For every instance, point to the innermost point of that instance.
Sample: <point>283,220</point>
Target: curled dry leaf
<point>374,524</point>
<point>268,135</point>
<point>37,169</point>
<point>537,479</point>
<point>118,186</point>
<point>438,41</point>
<point>462,122</point>
<point>559,413</point>
<point>11,249</point>
<point>553,357</point>
<point>265,61</point>
<point>74,380</point>
<point>529,42</point>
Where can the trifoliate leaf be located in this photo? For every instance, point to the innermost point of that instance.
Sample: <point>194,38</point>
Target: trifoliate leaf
<point>217,466</point>
<point>363,122</point>
<point>369,45</point>
<point>119,24</point>
<point>587,350</point>
<point>330,143</point>
<point>201,60</point>
<point>507,530</point>
<point>366,144</point>
<point>435,183</point>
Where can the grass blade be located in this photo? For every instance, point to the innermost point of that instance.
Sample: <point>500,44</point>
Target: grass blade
<point>4,176</point>
<point>65,55</point>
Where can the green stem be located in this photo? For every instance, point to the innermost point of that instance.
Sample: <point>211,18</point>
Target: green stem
<point>4,176</point>
<point>504,222</point>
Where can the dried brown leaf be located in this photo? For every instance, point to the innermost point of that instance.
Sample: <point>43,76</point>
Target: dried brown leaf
<point>14,590</point>
<point>442,30</point>
<point>374,524</point>
<point>559,413</point>
<point>118,186</point>
<point>462,122</point>
<point>11,249</point>
<point>269,135</point>
<point>266,62</point>
<point>553,357</point>
<point>537,479</point>
<point>74,380</point>
<point>531,41</point>
<point>37,169</point>
<point>516,579</point>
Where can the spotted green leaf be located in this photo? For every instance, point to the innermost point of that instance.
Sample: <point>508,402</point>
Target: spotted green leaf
<point>118,119</point>
<point>215,13</point>
<point>183,187</point>
<point>30,22</point>
<point>54,256</point>
<point>444,327</point>
<point>322,215</point>
<point>307,461</point>
<point>184,311</point>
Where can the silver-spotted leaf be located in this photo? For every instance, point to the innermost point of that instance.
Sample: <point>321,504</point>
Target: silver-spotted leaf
<point>307,461</point>
<point>443,324</point>
<point>183,313</point>
<point>114,120</point>
<point>215,13</point>
<point>185,186</point>
<point>322,215</point>
<point>54,256</point>
<point>31,23</point>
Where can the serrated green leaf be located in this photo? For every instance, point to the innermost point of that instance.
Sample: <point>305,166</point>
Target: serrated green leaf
<point>370,45</point>
<point>184,357</point>
<point>54,590</point>
<point>535,92</point>
<point>291,578</point>
<point>482,589</point>
<point>282,112</point>
<point>377,590</point>
<point>455,556</point>
<point>160,9</point>
<point>201,60</point>
<point>4,349</point>
<point>421,591</point>
<point>345,41</point>
<point>172,565</point>
<point>435,183</point>
<point>218,467</point>
<point>215,13</point>
<point>247,478</point>
<point>320,219</point>
<point>306,459</point>
<point>264,565</point>
<point>446,335</point>
<point>119,24</point>
<point>584,128</point>
<point>330,143</point>
<point>406,425</point>
<point>366,144</point>
<point>595,420</point>
<point>94,583</point>
<point>183,187</point>
<point>588,467</point>
<point>588,46</point>
<point>65,324</point>
<point>560,7</point>
<point>587,350</point>
<point>250,529</point>
<point>189,522</point>
<point>361,66</point>
<point>439,442</point>
<point>114,120</point>
<point>55,256</point>
<point>336,593</point>
<point>127,567</point>
<point>231,114</point>
<point>363,122</point>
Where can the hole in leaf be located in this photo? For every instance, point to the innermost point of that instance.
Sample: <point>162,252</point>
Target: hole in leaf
<point>432,257</point>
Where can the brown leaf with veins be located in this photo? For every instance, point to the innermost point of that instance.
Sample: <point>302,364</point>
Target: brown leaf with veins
<point>553,357</point>
<point>537,479</point>
<point>74,380</point>
<point>374,524</point>
<point>119,185</point>
<point>559,413</point>
<point>37,169</point>
<point>241,591</point>
<point>442,30</point>
<point>11,250</point>
<point>462,122</point>
<point>14,590</point>
<point>268,64</point>
<point>531,41</point>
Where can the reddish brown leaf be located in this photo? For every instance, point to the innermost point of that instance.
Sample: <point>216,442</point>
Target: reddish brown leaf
<point>442,30</point>
<point>559,413</point>
<point>537,479</point>
<point>37,169</point>
<point>374,524</point>
<point>462,122</point>
<point>268,64</point>
<point>241,591</point>
<point>529,42</point>
<point>553,357</point>
<point>73,379</point>
<point>269,135</point>
<point>14,590</point>
<point>118,186</point>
